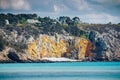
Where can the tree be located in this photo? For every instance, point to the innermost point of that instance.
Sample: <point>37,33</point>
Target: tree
<point>2,22</point>
<point>23,20</point>
<point>34,16</point>
<point>76,20</point>
<point>118,24</point>
<point>2,19</point>
<point>62,19</point>
<point>109,23</point>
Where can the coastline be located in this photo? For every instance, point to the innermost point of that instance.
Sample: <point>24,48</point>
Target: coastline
<point>51,61</point>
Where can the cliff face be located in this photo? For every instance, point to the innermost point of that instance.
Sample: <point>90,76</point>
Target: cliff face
<point>62,46</point>
<point>101,44</point>
<point>111,38</point>
<point>111,35</point>
<point>61,37</point>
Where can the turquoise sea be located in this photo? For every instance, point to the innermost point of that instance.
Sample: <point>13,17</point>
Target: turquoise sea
<point>61,71</point>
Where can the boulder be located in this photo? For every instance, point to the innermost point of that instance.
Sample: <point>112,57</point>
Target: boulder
<point>13,56</point>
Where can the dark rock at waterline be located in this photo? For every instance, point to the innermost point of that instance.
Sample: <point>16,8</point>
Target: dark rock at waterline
<point>13,56</point>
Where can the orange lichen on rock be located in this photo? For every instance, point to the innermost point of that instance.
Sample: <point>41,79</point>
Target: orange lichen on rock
<point>81,45</point>
<point>47,46</point>
<point>90,48</point>
<point>32,47</point>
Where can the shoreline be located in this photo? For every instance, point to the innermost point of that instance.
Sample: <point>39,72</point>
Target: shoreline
<point>55,60</point>
<point>44,61</point>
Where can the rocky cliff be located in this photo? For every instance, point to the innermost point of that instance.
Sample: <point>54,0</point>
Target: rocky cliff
<point>62,46</point>
<point>111,35</point>
<point>101,45</point>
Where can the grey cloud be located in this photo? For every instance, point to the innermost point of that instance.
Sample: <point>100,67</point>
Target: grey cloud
<point>65,7</point>
<point>111,2</point>
<point>59,5</point>
<point>14,4</point>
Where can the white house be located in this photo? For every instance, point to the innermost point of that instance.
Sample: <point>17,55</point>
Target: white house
<point>32,21</point>
<point>7,22</point>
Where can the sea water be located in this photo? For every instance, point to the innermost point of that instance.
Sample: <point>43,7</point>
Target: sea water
<point>61,71</point>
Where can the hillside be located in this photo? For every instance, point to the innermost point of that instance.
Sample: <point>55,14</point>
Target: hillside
<point>31,38</point>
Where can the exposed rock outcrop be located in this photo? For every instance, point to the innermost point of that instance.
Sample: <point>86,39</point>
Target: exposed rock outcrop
<point>110,35</point>
<point>70,47</point>
<point>13,56</point>
<point>101,45</point>
<point>113,42</point>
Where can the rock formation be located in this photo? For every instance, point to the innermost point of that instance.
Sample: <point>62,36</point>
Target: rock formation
<point>99,46</point>
<point>48,46</point>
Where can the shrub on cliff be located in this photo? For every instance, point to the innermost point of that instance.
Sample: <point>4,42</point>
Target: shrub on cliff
<point>2,43</point>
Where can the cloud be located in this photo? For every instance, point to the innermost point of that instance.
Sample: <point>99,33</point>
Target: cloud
<point>76,5</point>
<point>111,2</point>
<point>101,18</point>
<point>59,5</point>
<point>14,4</point>
<point>93,11</point>
<point>59,8</point>
<point>56,8</point>
<point>81,4</point>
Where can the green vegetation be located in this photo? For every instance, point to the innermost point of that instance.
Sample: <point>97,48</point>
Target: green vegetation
<point>19,23</point>
<point>46,25</point>
<point>15,19</point>
<point>3,43</point>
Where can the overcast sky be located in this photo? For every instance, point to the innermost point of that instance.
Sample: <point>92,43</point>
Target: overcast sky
<point>92,11</point>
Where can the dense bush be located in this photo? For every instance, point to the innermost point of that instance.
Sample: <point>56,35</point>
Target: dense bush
<point>2,43</point>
